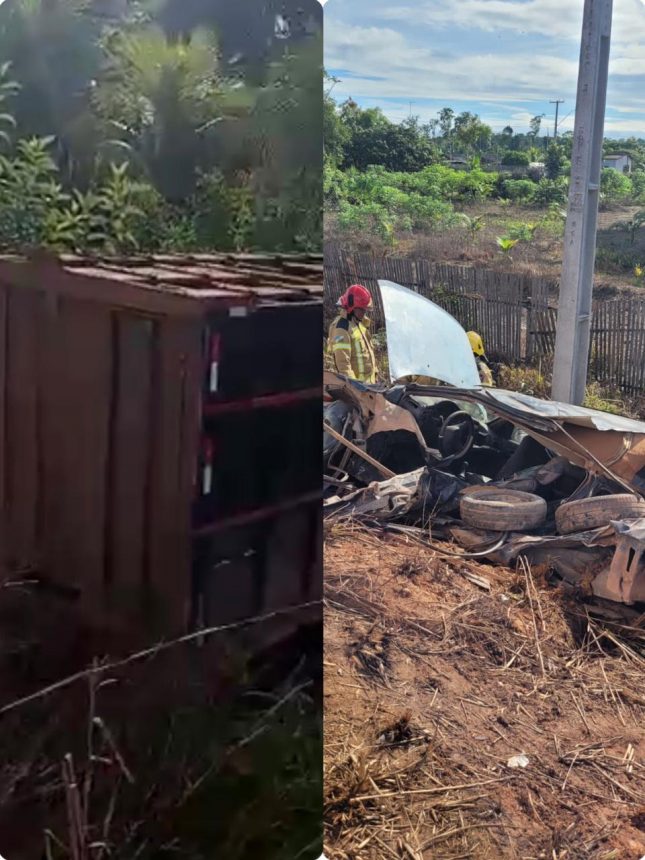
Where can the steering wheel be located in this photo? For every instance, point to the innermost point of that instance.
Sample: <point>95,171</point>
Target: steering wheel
<point>457,435</point>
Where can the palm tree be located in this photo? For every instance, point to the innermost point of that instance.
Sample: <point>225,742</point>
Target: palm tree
<point>161,101</point>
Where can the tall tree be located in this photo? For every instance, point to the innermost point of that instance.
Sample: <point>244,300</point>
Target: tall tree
<point>372,139</point>
<point>159,102</point>
<point>554,160</point>
<point>471,133</point>
<point>335,133</point>
<point>446,117</point>
<point>535,125</point>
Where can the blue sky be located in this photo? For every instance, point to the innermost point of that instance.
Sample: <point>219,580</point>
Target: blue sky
<point>502,59</point>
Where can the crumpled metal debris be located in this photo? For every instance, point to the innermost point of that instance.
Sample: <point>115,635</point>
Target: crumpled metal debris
<point>439,440</point>
<point>624,580</point>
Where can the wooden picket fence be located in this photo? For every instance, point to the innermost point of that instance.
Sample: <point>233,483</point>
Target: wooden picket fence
<point>515,314</point>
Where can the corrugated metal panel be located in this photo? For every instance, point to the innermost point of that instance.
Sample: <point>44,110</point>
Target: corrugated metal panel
<point>21,442</point>
<point>105,392</point>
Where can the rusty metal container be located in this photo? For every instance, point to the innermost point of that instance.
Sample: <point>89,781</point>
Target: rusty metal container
<point>125,385</point>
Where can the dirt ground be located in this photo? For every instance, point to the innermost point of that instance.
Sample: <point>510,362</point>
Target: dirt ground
<point>439,673</point>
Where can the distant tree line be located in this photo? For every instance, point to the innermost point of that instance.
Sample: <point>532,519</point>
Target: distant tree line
<point>358,138</point>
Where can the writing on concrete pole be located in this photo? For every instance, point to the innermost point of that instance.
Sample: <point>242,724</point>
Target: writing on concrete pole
<point>576,283</point>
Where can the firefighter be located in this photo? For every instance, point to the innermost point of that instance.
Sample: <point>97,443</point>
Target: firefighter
<point>350,341</point>
<point>477,346</point>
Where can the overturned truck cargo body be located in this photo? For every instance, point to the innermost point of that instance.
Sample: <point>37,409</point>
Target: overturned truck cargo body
<point>132,396</point>
<point>501,473</point>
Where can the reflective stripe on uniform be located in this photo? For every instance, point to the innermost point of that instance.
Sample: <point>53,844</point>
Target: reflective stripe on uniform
<point>357,334</point>
<point>360,361</point>
<point>353,340</point>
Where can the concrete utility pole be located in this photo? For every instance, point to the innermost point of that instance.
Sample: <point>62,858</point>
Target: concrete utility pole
<point>576,283</point>
<point>557,103</point>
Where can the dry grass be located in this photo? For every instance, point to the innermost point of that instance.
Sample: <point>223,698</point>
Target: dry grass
<point>160,754</point>
<point>540,257</point>
<point>537,383</point>
<point>475,675</point>
<point>528,380</point>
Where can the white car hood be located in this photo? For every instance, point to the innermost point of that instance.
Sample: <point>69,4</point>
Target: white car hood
<point>424,340</point>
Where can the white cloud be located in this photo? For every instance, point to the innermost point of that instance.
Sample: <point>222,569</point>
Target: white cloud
<point>627,66</point>
<point>413,63</point>
<point>412,72</point>
<point>544,17</point>
<point>555,19</point>
<point>627,127</point>
<point>627,108</point>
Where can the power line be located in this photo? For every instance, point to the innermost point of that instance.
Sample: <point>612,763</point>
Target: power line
<point>564,119</point>
<point>557,103</point>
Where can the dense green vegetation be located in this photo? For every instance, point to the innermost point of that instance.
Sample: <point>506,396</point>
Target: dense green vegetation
<point>159,125</point>
<point>389,180</point>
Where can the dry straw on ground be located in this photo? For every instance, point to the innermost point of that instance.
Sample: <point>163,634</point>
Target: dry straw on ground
<point>439,674</point>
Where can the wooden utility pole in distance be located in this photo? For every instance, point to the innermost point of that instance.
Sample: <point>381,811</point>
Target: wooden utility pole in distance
<point>576,283</point>
<point>557,103</point>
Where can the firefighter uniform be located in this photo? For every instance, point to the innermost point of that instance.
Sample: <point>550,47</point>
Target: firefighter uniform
<point>477,346</point>
<point>485,373</point>
<point>350,345</point>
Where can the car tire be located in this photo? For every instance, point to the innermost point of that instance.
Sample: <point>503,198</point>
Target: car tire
<point>500,510</point>
<point>583,515</point>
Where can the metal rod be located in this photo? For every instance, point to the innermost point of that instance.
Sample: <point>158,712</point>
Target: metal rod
<point>358,451</point>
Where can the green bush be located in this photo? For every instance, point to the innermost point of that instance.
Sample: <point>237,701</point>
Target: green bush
<point>638,185</point>
<point>615,261</point>
<point>333,184</point>
<point>35,210</point>
<point>30,196</point>
<point>380,202</point>
<point>549,191</point>
<point>369,218</point>
<point>553,222</point>
<point>427,211</point>
<point>119,214</point>
<point>522,232</point>
<point>475,185</point>
<point>516,159</point>
<point>554,161</point>
<point>225,215</point>
<point>615,186</point>
<point>518,190</point>
<point>116,214</point>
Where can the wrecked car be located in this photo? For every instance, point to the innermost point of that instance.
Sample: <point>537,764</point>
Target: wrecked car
<point>502,474</point>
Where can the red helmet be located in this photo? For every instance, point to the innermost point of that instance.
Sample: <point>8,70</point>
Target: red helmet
<point>356,296</point>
